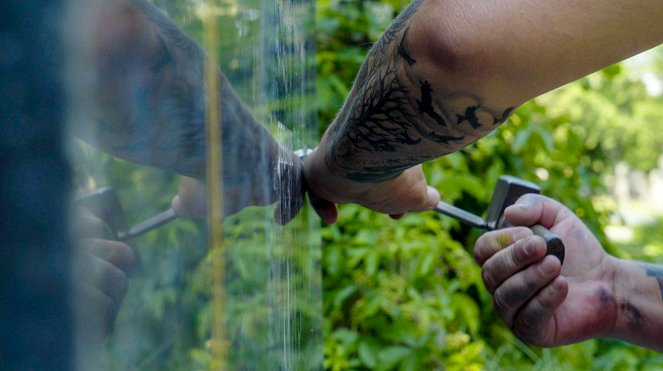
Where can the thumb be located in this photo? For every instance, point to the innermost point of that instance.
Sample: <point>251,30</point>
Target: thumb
<point>532,209</point>
<point>433,197</point>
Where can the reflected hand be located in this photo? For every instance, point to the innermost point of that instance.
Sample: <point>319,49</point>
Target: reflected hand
<point>282,183</point>
<point>102,267</point>
<point>405,193</point>
<point>543,303</point>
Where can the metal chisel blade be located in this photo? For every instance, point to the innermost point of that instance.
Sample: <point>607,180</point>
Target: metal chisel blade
<point>460,214</point>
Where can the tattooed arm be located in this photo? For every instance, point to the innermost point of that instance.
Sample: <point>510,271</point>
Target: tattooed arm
<point>592,295</point>
<point>448,72</point>
<point>141,97</point>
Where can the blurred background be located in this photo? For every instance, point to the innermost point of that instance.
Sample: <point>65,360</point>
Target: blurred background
<point>368,293</point>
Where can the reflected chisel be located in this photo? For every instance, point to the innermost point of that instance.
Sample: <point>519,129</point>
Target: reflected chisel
<point>507,190</point>
<point>149,224</point>
<point>105,205</point>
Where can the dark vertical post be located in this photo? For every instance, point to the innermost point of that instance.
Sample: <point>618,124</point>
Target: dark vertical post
<point>35,318</point>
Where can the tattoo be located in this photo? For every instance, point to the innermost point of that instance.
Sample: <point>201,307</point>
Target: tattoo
<point>397,25</point>
<point>655,271</point>
<point>505,115</point>
<point>632,315</point>
<point>393,119</point>
<point>426,103</point>
<point>166,57</point>
<point>402,52</point>
<point>470,116</point>
<point>377,124</point>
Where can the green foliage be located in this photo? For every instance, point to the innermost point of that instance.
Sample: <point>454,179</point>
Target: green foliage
<point>406,294</point>
<point>646,244</point>
<point>618,118</point>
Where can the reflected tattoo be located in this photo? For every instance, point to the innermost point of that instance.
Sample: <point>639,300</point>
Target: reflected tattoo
<point>155,112</point>
<point>394,118</point>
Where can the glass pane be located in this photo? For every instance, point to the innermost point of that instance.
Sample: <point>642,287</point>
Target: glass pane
<point>218,281</point>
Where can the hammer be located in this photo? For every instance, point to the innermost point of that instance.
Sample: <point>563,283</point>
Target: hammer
<point>507,190</point>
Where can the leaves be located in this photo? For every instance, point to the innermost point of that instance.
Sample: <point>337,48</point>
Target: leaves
<point>409,291</point>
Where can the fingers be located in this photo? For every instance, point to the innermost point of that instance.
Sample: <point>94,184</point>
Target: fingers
<point>433,198</point>
<point>491,242</point>
<point>117,253</point>
<point>518,289</point>
<point>532,209</point>
<point>525,284</point>
<point>87,225</point>
<point>508,262</point>
<point>286,210</point>
<point>533,323</point>
<point>191,199</point>
<point>326,210</point>
<point>405,193</point>
<point>96,311</point>
<point>104,276</point>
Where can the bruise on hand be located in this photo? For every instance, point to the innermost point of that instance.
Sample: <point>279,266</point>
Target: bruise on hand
<point>634,319</point>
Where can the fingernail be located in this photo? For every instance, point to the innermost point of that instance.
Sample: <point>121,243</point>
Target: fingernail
<point>548,266</point>
<point>433,197</point>
<point>556,285</point>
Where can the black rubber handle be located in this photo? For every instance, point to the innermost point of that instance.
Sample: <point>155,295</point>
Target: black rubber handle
<point>553,242</point>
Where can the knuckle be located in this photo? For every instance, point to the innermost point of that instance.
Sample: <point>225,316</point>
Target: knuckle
<point>521,251</point>
<point>526,328</point>
<point>500,301</point>
<point>488,280</point>
<point>486,245</point>
<point>511,261</point>
<point>528,284</point>
<point>521,331</point>
<point>117,281</point>
<point>526,321</point>
<point>127,255</point>
<point>479,255</point>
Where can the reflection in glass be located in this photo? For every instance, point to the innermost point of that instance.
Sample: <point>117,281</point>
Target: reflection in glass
<point>139,102</point>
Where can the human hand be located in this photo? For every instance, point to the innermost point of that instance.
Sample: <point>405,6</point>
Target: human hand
<point>542,302</point>
<point>101,267</point>
<point>407,192</point>
<point>283,184</point>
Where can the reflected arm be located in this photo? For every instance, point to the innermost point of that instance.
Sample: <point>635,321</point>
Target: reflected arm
<point>142,98</point>
<point>146,96</point>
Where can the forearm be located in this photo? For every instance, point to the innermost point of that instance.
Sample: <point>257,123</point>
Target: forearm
<point>638,300</point>
<point>145,100</point>
<point>448,72</point>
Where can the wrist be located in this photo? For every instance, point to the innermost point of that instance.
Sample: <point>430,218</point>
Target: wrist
<point>632,300</point>
<point>327,181</point>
